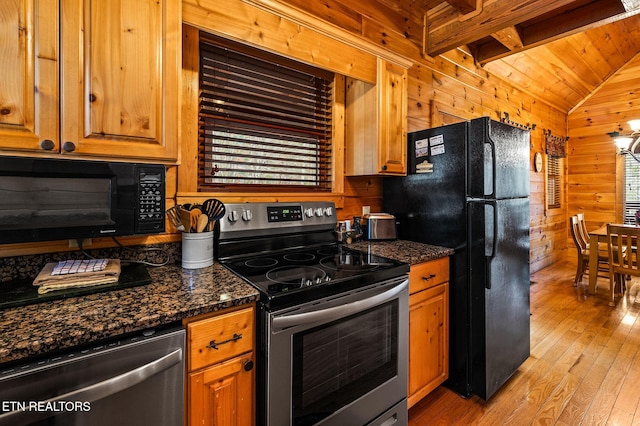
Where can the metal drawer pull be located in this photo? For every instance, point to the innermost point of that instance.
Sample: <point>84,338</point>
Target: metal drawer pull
<point>213,345</point>
<point>429,277</point>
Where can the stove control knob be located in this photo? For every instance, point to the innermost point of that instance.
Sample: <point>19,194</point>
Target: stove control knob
<point>233,216</point>
<point>247,215</point>
<point>319,212</point>
<point>308,212</point>
<point>328,211</point>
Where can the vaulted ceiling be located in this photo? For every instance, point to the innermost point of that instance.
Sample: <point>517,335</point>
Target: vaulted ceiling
<point>567,72</point>
<point>561,51</point>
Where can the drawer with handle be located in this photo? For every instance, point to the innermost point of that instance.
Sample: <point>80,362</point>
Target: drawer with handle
<point>427,274</point>
<point>219,338</point>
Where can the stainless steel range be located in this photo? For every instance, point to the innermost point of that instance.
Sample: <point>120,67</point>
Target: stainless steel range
<point>332,346</point>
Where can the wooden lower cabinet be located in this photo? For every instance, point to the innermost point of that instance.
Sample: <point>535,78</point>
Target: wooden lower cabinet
<point>428,328</point>
<point>222,394</point>
<point>221,369</point>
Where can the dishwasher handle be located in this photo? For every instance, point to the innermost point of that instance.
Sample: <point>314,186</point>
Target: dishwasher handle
<point>98,390</point>
<point>329,314</point>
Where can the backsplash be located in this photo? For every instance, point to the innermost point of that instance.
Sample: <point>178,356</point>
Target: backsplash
<point>27,267</point>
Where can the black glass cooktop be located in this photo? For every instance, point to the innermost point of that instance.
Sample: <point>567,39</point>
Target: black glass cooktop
<point>306,274</point>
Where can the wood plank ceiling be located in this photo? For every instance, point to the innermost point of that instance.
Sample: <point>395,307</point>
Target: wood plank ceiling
<point>566,72</point>
<point>560,51</point>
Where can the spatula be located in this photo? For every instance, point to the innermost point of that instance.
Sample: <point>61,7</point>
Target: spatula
<point>202,222</point>
<point>214,209</point>
<point>195,213</point>
<point>185,218</point>
<point>173,214</point>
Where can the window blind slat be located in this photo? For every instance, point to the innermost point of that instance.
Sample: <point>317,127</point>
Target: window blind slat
<point>219,73</point>
<point>263,120</point>
<point>267,118</point>
<point>268,138</point>
<point>261,91</point>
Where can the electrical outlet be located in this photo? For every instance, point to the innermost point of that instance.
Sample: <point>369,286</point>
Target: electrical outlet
<point>86,242</point>
<point>366,210</point>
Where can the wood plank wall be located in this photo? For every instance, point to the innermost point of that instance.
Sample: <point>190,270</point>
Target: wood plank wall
<point>452,86</point>
<point>595,171</point>
<point>440,90</point>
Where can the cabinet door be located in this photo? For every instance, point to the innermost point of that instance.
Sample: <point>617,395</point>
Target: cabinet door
<point>222,395</point>
<point>120,78</point>
<point>376,123</point>
<point>29,69</point>
<point>392,82</point>
<point>428,341</point>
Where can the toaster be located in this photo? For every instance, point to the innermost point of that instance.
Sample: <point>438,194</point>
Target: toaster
<point>379,226</point>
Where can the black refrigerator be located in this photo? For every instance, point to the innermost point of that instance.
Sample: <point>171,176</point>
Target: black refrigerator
<point>467,188</point>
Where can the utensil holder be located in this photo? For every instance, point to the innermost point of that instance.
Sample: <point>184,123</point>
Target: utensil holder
<point>197,249</point>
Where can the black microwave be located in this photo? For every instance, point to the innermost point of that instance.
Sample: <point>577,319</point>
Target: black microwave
<point>59,199</point>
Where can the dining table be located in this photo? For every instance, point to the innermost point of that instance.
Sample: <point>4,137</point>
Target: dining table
<point>596,237</point>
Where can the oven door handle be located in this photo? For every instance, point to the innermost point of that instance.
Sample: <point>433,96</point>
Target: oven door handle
<point>95,392</point>
<point>284,321</point>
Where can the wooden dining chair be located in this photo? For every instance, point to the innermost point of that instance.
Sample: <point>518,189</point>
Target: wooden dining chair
<point>623,256</point>
<point>585,233</point>
<point>582,247</point>
<point>583,228</point>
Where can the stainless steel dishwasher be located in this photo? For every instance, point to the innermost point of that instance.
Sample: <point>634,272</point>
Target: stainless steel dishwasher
<point>138,380</point>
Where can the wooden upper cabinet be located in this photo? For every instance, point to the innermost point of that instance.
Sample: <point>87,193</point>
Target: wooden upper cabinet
<point>29,68</point>
<point>117,64</point>
<point>120,77</point>
<point>376,123</point>
<point>393,122</point>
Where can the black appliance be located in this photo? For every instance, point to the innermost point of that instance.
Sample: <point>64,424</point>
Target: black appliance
<point>58,199</point>
<point>468,188</point>
<point>332,322</point>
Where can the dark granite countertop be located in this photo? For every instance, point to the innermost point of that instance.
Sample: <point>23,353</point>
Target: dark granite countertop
<point>405,251</point>
<point>174,294</point>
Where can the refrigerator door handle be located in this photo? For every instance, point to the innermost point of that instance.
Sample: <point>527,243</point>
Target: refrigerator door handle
<point>491,252</point>
<point>492,146</point>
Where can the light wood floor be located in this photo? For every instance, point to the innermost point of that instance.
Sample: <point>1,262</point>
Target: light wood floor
<point>584,367</point>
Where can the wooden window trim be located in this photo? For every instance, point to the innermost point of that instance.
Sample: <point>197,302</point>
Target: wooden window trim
<point>635,204</point>
<point>262,115</point>
<point>187,176</point>
<point>553,177</point>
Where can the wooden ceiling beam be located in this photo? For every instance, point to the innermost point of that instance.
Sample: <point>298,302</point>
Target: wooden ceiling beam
<point>463,6</point>
<point>509,37</point>
<point>577,20</point>
<point>494,16</point>
<point>561,25</point>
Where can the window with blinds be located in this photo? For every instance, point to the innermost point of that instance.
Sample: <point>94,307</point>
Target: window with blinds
<point>554,182</point>
<point>631,189</point>
<point>264,121</point>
